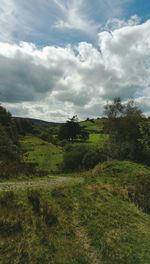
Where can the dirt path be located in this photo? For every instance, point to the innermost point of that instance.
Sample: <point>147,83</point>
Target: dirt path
<point>48,183</point>
<point>93,256</point>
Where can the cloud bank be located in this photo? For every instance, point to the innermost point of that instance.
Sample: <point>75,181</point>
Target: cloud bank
<point>76,78</point>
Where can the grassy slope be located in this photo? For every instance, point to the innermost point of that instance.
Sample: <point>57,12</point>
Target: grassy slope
<point>96,125</point>
<point>91,222</point>
<point>46,155</point>
<point>95,138</point>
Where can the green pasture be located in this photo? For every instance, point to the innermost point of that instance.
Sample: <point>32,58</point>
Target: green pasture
<point>92,126</point>
<point>46,155</point>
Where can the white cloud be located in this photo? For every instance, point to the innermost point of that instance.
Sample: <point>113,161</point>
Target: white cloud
<point>53,83</point>
<point>20,20</point>
<point>81,16</point>
<point>74,17</point>
<point>7,20</point>
<point>116,23</point>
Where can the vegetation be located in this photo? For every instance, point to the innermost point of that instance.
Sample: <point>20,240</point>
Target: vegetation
<point>92,222</point>
<point>93,125</point>
<point>72,130</point>
<point>46,156</point>
<point>96,210</point>
<point>128,130</point>
<point>81,157</point>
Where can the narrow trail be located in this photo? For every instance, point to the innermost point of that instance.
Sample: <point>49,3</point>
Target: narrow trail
<point>93,256</point>
<point>48,183</point>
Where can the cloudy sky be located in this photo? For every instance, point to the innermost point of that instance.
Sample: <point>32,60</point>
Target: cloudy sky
<point>65,57</point>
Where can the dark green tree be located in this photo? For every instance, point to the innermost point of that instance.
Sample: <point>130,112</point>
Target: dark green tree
<point>144,140</point>
<point>72,130</point>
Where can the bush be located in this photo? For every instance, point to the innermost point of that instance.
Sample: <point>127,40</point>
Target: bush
<point>34,199</point>
<point>7,199</point>
<point>81,157</point>
<point>139,192</point>
<point>73,158</point>
<point>49,216</point>
<point>46,136</point>
<point>10,228</point>
<point>90,159</point>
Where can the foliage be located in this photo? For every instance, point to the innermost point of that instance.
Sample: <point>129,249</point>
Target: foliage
<point>91,158</point>
<point>145,134</point>
<point>72,130</point>
<point>92,222</point>
<point>81,157</point>
<point>47,136</point>
<point>139,192</point>
<point>8,132</point>
<point>23,126</point>
<point>73,157</point>
<point>34,199</point>
<point>125,132</point>
<point>144,140</point>
<point>10,154</point>
<point>93,126</point>
<point>131,176</point>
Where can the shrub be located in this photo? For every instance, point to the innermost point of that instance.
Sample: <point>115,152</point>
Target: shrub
<point>49,216</point>
<point>34,199</point>
<point>81,157</point>
<point>46,136</point>
<point>7,199</point>
<point>10,228</point>
<point>73,159</point>
<point>90,159</point>
<point>139,192</point>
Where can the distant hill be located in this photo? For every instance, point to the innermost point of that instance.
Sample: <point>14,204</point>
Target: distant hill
<point>38,121</point>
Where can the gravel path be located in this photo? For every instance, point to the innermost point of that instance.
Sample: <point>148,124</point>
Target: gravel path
<point>49,183</point>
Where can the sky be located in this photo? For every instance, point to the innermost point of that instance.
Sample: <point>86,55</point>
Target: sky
<point>59,58</point>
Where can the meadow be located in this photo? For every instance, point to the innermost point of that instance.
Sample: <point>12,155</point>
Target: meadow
<point>47,156</point>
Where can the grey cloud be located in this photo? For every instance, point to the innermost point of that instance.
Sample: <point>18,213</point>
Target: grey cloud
<point>23,80</point>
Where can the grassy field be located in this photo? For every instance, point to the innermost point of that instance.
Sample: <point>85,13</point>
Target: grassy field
<point>46,155</point>
<point>92,222</point>
<point>92,126</point>
<point>97,139</point>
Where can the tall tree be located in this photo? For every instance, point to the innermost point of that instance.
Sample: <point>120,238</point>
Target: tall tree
<point>72,130</point>
<point>123,127</point>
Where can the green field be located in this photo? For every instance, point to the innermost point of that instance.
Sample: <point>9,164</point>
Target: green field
<point>98,139</point>
<point>92,126</point>
<point>95,140</point>
<point>46,155</point>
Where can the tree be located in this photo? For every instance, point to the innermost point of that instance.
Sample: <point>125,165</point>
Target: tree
<point>90,159</point>
<point>115,109</point>
<point>5,117</point>
<point>144,127</point>
<point>122,124</point>
<point>144,140</point>
<point>72,130</point>
<point>72,160</point>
